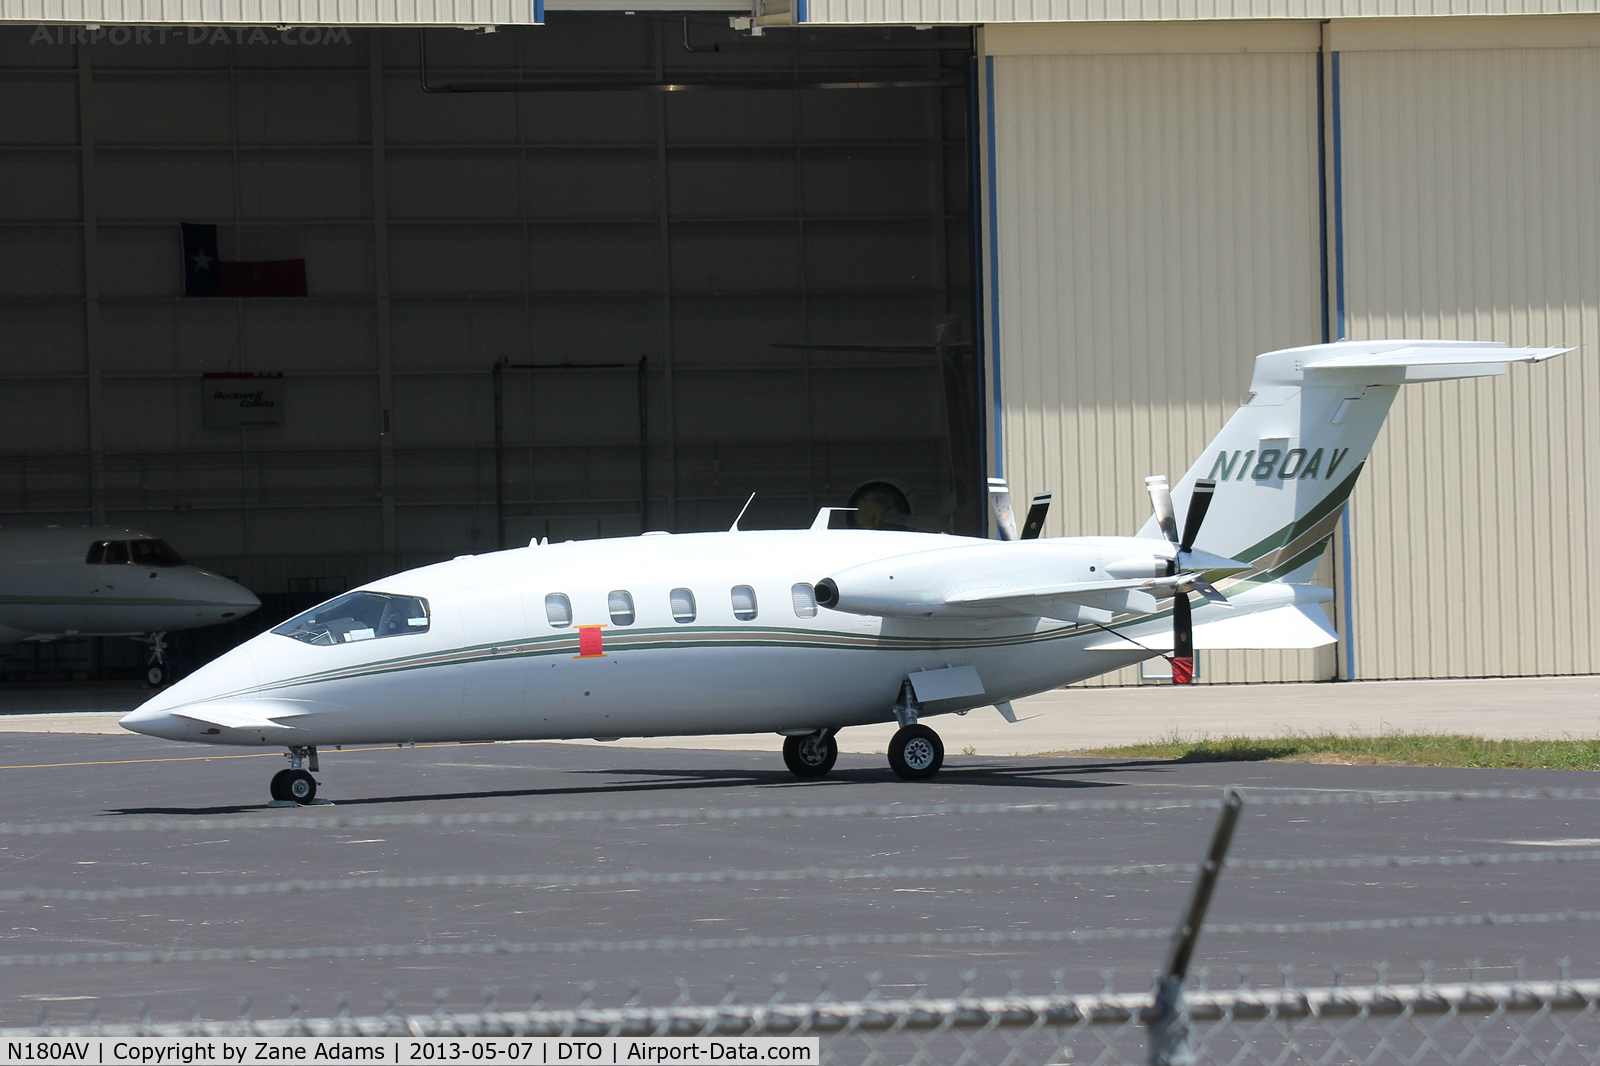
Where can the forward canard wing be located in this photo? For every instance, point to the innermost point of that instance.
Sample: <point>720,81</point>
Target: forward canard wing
<point>245,714</point>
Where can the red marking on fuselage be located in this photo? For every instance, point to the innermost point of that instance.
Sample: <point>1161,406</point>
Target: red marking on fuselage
<point>589,643</point>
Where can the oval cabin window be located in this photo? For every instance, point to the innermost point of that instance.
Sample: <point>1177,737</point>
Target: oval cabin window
<point>620,603</point>
<point>558,609</point>
<point>744,602</point>
<point>805,600</point>
<point>682,605</point>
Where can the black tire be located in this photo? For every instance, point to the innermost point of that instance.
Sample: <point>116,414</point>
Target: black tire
<point>808,757</point>
<point>155,675</point>
<point>916,753</point>
<point>299,786</point>
<point>280,785</point>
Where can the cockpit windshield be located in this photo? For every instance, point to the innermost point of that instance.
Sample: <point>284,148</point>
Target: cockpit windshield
<point>358,616</point>
<point>138,552</point>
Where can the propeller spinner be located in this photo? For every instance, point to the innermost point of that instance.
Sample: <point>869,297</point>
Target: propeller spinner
<point>1184,561</point>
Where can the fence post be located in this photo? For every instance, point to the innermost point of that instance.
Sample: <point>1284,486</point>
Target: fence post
<point>1169,1025</point>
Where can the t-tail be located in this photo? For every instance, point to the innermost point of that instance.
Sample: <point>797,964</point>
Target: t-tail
<point>1287,460</point>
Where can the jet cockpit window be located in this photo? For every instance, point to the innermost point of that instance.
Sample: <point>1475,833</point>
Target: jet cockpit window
<point>358,616</point>
<point>154,553</point>
<point>558,609</point>
<point>620,603</point>
<point>107,551</point>
<point>682,601</point>
<point>744,602</point>
<point>139,552</point>
<point>805,600</point>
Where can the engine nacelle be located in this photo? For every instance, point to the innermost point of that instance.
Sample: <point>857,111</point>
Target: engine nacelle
<point>918,585</point>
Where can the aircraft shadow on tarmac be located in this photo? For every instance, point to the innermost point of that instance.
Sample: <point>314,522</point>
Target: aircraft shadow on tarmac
<point>1048,775</point>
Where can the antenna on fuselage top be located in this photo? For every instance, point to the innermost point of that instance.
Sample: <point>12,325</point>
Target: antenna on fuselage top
<point>735,527</point>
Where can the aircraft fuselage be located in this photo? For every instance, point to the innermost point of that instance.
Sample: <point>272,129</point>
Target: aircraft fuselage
<point>533,643</point>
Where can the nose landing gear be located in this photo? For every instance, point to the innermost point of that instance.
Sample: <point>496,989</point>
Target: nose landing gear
<point>812,755</point>
<point>295,787</point>
<point>158,670</point>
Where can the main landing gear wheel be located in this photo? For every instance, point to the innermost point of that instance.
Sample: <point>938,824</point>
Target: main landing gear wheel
<point>156,675</point>
<point>812,755</point>
<point>295,786</point>
<point>916,753</point>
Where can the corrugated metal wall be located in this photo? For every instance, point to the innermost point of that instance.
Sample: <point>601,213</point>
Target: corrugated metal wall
<point>1156,225</point>
<point>1157,218</point>
<point>1025,11</point>
<point>1471,210</point>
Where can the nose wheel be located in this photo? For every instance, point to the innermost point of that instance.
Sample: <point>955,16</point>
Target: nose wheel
<point>158,670</point>
<point>812,755</point>
<point>295,787</point>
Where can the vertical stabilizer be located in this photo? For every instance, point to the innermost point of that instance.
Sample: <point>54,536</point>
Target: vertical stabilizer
<point>1287,460</point>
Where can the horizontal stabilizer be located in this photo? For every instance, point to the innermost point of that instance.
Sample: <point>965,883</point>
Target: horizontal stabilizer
<point>1291,627</point>
<point>1419,361</point>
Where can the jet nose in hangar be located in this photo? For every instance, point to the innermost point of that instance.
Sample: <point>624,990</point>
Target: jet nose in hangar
<point>233,599</point>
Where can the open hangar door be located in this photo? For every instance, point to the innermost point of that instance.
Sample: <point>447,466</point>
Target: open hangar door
<point>525,312</point>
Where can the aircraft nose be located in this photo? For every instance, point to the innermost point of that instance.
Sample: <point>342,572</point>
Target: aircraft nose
<point>153,722</point>
<point>237,600</point>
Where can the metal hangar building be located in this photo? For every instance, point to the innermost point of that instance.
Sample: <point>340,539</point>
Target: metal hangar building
<point>503,269</point>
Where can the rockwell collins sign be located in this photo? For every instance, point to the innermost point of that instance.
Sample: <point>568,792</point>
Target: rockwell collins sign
<point>234,400</point>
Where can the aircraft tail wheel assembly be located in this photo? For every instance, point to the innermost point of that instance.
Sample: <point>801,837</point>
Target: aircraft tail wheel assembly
<point>295,787</point>
<point>812,755</point>
<point>915,753</point>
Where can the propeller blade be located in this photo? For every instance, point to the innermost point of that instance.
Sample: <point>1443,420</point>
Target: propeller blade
<point>1209,591</point>
<point>1199,503</point>
<point>1161,503</point>
<point>1035,520</point>
<point>1182,640</point>
<point>1000,502</point>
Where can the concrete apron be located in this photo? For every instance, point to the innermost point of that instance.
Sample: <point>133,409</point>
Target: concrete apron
<point>1077,718</point>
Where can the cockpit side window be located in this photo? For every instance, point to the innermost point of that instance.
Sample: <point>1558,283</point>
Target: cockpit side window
<point>358,616</point>
<point>154,553</point>
<point>107,551</point>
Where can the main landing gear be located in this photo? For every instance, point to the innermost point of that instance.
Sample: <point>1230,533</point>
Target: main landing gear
<point>915,751</point>
<point>812,755</point>
<point>295,787</point>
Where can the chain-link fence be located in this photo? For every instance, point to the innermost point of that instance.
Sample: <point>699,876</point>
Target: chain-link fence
<point>1507,1022</point>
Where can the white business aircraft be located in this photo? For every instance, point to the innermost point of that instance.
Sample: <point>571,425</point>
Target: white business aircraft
<point>805,632</point>
<point>97,581</point>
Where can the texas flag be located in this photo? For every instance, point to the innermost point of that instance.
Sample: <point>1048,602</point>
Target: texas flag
<point>206,273</point>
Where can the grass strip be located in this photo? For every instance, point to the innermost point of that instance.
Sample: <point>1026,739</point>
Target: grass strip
<point>1389,749</point>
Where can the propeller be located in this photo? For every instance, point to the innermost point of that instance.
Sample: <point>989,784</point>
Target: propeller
<point>1005,519</point>
<point>1182,614</point>
<point>1005,522</point>
<point>1036,512</point>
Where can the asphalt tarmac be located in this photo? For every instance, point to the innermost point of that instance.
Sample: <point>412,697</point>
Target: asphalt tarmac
<point>118,780</point>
